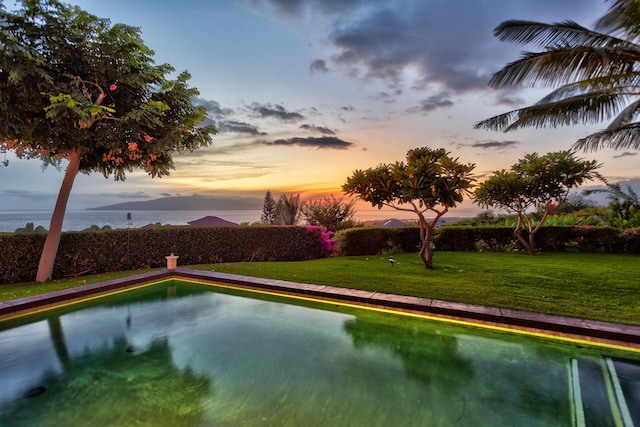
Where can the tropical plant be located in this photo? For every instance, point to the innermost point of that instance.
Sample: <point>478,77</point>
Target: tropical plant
<point>535,182</point>
<point>593,73</point>
<point>624,204</point>
<point>330,212</point>
<point>269,212</point>
<point>76,90</point>
<point>429,181</point>
<point>288,209</point>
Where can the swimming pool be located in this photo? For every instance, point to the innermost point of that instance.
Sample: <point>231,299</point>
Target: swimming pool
<point>183,353</point>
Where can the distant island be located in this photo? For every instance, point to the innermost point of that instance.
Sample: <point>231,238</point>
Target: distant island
<point>186,203</point>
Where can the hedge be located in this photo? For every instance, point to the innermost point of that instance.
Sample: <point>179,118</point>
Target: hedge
<point>547,239</point>
<point>115,250</point>
<point>378,240</point>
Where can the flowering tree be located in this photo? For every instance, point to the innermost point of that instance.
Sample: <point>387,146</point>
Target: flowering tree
<point>535,182</point>
<point>429,181</point>
<point>75,90</point>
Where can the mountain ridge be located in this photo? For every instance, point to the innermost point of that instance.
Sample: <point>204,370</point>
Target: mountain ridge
<point>186,203</point>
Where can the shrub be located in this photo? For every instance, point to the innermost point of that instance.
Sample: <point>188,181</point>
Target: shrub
<point>101,251</point>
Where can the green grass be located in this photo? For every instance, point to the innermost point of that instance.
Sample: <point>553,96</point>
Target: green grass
<point>591,286</point>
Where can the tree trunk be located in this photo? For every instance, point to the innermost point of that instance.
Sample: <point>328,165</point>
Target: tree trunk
<point>426,232</point>
<point>48,257</point>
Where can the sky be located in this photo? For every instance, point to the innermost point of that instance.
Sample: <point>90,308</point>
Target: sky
<point>304,92</point>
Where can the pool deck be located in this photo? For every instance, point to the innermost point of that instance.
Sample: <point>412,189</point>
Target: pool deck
<point>568,327</point>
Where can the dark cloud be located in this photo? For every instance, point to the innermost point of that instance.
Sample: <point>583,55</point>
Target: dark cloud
<point>328,142</point>
<point>275,111</point>
<point>625,154</point>
<point>213,107</point>
<point>507,100</point>
<point>298,8</point>
<point>432,103</point>
<point>318,66</point>
<point>313,128</point>
<point>494,144</point>
<point>427,41</point>
<point>231,126</point>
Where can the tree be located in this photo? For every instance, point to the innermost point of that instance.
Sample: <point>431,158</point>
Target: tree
<point>331,213</point>
<point>269,213</point>
<point>75,89</point>
<point>624,206</point>
<point>535,182</point>
<point>288,209</point>
<point>429,181</point>
<point>594,75</point>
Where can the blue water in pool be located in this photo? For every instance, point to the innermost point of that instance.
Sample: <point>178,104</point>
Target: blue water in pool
<point>183,354</point>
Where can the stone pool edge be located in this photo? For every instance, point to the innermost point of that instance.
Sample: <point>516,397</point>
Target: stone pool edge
<point>620,334</point>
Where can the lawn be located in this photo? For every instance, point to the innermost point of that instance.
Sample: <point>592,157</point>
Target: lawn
<point>591,286</point>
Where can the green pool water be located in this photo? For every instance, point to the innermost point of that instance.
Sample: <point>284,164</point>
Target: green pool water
<point>185,354</point>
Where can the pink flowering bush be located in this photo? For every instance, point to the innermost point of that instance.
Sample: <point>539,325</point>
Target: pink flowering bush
<point>328,244</point>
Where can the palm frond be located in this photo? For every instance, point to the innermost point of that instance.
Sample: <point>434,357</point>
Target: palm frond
<point>622,18</point>
<point>592,107</point>
<point>621,138</point>
<point>626,116</point>
<point>545,35</point>
<point>563,65</point>
<point>499,122</point>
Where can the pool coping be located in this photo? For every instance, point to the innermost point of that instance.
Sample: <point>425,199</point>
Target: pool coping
<point>590,330</point>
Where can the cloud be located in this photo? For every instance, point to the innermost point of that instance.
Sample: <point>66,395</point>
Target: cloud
<point>318,66</point>
<point>313,128</point>
<point>213,107</point>
<point>494,144</point>
<point>275,111</point>
<point>423,43</point>
<point>231,126</point>
<point>328,142</point>
<point>27,194</point>
<point>625,154</point>
<point>432,103</point>
<point>505,99</point>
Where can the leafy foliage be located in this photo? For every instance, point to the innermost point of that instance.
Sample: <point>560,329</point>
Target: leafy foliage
<point>535,182</point>
<point>75,88</point>
<point>624,205</point>
<point>330,212</point>
<point>429,180</point>
<point>288,209</point>
<point>594,76</point>
<point>84,252</point>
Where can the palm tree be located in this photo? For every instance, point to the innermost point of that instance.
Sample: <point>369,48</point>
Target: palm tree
<point>289,209</point>
<point>594,75</point>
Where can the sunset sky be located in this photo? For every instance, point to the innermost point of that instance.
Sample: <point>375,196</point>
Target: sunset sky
<point>304,92</point>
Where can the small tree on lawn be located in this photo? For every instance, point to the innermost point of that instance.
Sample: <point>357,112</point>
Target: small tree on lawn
<point>269,212</point>
<point>429,181</point>
<point>329,212</point>
<point>535,182</point>
<point>76,90</point>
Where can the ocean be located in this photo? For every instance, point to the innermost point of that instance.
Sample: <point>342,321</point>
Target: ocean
<point>78,220</point>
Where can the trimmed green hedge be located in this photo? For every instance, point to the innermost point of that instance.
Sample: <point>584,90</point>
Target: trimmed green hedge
<point>114,250</point>
<point>548,239</point>
<point>377,240</point>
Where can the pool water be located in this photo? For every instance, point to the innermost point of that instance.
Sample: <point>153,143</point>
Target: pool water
<point>186,354</point>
